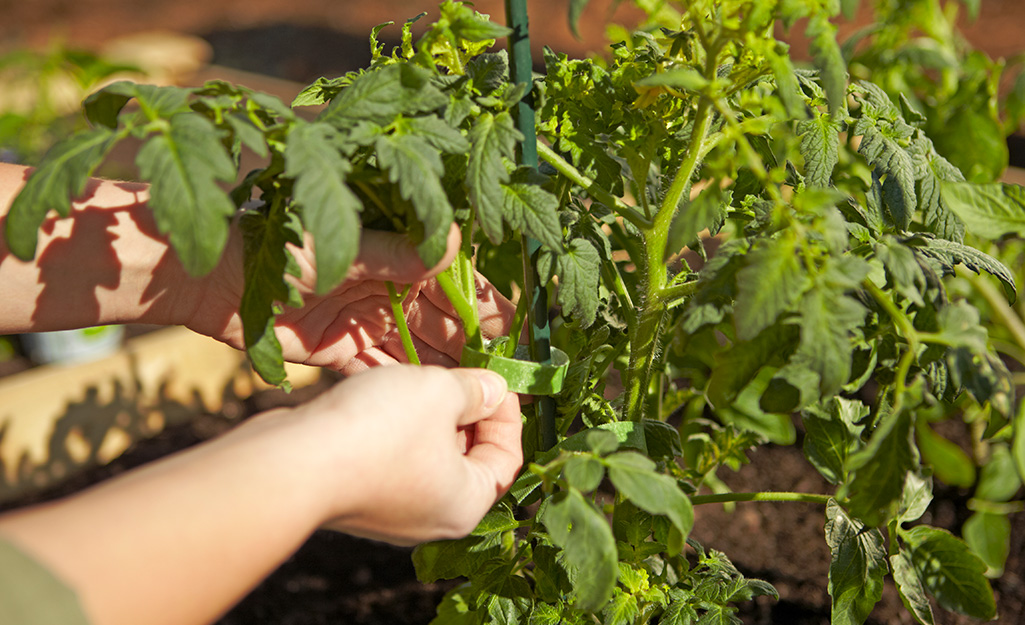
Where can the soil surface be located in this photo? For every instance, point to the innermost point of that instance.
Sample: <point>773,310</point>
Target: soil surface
<point>337,579</point>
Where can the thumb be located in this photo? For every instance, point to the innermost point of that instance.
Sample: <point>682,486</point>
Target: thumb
<point>485,392</point>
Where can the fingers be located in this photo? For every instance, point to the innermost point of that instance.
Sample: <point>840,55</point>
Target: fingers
<point>485,392</point>
<point>495,311</point>
<point>391,256</point>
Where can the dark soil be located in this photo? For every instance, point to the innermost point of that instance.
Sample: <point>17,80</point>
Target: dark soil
<point>338,579</point>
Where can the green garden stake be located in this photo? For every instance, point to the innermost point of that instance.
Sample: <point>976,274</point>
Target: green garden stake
<point>521,71</point>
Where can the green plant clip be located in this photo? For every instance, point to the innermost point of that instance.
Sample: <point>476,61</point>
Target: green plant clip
<point>522,374</point>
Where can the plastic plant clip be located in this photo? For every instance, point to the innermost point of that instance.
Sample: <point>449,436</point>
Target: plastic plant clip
<point>522,374</point>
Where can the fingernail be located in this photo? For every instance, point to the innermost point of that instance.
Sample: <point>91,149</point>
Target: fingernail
<point>494,387</point>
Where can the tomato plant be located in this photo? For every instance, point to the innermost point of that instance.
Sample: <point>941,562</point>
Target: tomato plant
<point>829,298</point>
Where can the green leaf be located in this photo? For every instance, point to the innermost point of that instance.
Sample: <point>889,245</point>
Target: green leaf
<point>881,469</point>
<point>589,548</point>
<point>531,209</point>
<point>437,132</point>
<point>999,481</point>
<point>678,77</point>
<point>820,147</point>
<point>183,165</point>
<point>330,210</point>
<point>937,215</point>
<point>492,139</point>
<point>584,472</point>
<point>988,210</point>
<point>706,211</point>
<point>62,175</point>
<point>738,365</point>
<point>831,435</point>
<point>449,559</point>
<point>266,262</point>
<point>856,568</point>
<point>916,497</point>
<point>380,95</point>
<point>578,272</point>
<point>104,106</point>
<point>768,286</point>
<point>950,253</point>
<point>417,168</point>
<point>949,462</point>
<point>951,572</point>
<point>635,477</point>
<point>828,319</point>
<point>621,610</point>
<point>826,54</point>
<point>910,588</point>
<point>988,535</point>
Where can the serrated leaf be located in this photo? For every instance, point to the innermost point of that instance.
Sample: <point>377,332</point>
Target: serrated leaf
<point>63,175</point>
<point>589,548</point>
<point>909,586</point>
<point>831,435</point>
<point>330,210</point>
<point>880,470</point>
<point>988,210</point>
<point>856,568</point>
<point>578,270</point>
<point>248,134</point>
<point>417,168</point>
<point>937,215</point>
<point>184,164</point>
<point>104,106</point>
<point>828,318</point>
<point>380,95</point>
<point>266,262</point>
<point>826,54</point>
<point>531,209</point>
<point>706,211</point>
<point>820,145</point>
<point>635,477</point>
<point>950,253</point>
<point>769,285</point>
<point>492,139</point>
<point>951,572</point>
<point>449,559</point>
<point>438,133</point>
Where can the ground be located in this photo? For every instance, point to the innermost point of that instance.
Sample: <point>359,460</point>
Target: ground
<point>336,579</point>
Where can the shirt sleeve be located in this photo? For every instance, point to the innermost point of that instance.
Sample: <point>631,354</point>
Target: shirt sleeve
<point>31,595</point>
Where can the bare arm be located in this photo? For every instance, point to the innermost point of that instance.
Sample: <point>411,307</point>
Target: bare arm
<point>105,264</point>
<point>179,541</point>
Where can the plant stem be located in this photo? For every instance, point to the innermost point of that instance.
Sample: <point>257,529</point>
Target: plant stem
<point>644,340</point>
<point>400,321</point>
<point>597,191</point>
<point>699,500</point>
<point>471,326</point>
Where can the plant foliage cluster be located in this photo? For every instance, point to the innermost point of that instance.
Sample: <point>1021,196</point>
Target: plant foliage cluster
<point>832,294</point>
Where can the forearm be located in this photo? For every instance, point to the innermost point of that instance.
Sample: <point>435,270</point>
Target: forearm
<point>180,541</point>
<point>106,263</point>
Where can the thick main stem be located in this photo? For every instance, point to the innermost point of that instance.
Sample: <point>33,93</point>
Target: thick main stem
<point>644,339</point>
<point>698,500</point>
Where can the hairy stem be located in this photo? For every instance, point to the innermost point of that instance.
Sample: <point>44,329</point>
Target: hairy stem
<point>451,285</point>
<point>596,191</point>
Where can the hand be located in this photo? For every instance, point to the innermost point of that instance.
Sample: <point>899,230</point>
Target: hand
<point>421,452</point>
<point>352,328</point>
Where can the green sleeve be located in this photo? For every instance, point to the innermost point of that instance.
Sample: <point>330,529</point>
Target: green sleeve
<point>31,595</point>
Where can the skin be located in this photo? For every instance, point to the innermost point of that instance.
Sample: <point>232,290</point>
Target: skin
<point>181,540</point>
